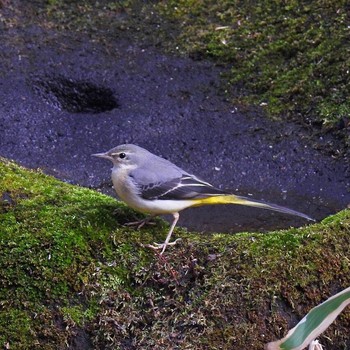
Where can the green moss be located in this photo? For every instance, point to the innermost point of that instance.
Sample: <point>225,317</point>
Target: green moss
<point>76,315</point>
<point>53,243</point>
<point>70,272</point>
<point>15,329</point>
<point>291,58</point>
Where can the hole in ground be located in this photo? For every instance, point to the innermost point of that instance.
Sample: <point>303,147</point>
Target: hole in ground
<point>75,96</point>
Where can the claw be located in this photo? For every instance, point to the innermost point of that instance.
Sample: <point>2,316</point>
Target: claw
<point>158,246</point>
<point>141,223</point>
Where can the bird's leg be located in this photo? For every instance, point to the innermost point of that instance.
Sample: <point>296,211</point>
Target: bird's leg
<point>166,242</point>
<point>142,222</point>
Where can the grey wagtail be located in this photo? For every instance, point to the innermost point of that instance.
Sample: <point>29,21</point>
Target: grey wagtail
<point>153,185</point>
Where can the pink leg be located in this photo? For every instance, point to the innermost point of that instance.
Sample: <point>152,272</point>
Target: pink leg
<point>166,242</point>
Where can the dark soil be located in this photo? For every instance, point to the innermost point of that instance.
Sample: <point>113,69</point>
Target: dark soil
<point>65,95</point>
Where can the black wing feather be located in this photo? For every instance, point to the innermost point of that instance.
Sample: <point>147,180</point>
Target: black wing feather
<point>185,187</point>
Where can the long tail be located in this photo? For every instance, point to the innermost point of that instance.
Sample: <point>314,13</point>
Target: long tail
<point>233,199</point>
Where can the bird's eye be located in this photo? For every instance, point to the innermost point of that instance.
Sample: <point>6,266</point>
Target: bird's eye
<point>122,155</point>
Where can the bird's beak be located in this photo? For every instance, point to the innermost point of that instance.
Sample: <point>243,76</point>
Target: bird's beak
<point>102,155</point>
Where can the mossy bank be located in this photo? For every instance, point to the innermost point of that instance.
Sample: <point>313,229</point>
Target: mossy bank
<point>72,275</point>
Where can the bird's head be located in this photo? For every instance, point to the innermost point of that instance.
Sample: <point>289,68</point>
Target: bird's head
<point>124,156</point>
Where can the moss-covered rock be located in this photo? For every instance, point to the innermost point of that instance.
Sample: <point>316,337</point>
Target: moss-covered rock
<point>290,57</point>
<point>72,274</point>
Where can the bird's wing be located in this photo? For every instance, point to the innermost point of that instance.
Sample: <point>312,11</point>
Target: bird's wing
<point>185,187</point>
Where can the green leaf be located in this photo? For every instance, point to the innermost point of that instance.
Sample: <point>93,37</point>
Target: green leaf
<point>313,324</point>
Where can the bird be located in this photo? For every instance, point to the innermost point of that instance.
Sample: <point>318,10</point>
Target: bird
<point>153,185</point>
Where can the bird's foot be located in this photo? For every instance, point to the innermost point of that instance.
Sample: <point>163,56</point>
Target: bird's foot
<point>162,246</point>
<point>140,223</point>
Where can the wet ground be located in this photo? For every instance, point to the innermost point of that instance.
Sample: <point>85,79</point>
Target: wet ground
<point>64,96</point>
